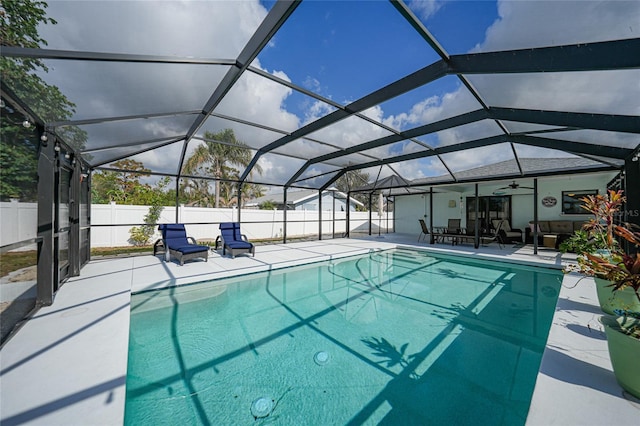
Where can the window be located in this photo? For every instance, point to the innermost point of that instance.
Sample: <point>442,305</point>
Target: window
<point>572,201</point>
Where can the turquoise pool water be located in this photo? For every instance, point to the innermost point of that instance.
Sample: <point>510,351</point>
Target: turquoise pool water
<point>397,337</point>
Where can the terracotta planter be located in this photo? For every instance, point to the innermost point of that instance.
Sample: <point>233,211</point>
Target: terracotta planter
<point>622,299</point>
<point>623,351</point>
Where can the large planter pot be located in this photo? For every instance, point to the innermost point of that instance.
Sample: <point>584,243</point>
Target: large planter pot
<point>624,352</point>
<point>622,299</point>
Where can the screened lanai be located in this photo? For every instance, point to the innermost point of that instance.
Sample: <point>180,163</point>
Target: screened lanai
<point>412,95</point>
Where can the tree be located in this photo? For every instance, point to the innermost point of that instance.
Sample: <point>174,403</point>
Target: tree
<point>251,191</point>
<point>267,205</point>
<point>125,186</point>
<point>196,192</point>
<point>121,186</point>
<point>19,21</point>
<point>18,158</point>
<point>218,160</point>
<point>351,180</point>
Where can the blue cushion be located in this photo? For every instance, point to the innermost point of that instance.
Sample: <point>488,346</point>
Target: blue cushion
<point>230,232</point>
<point>174,243</point>
<point>192,248</point>
<point>238,244</point>
<point>175,236</point>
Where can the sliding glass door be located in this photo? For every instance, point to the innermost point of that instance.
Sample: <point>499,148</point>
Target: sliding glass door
<point>489,208</point>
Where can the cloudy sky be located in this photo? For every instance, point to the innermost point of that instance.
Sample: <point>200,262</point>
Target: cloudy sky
<point>339,50</point>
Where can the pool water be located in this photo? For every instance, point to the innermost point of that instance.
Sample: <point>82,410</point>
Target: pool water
<point>397,337</point>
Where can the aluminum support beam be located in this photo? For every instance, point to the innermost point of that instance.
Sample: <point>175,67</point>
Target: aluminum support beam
<point>535,216</point>
<point>573,147</point>
<point>431,239</point>
<point>284,214</point>
<point>120,118</point>
<point>632,192</point>
<point>120,157</point>
<point>576,120</point>
<point>74,218</point>
<point>24,52</point>
<point>348,210</point>
<point>601,56</point>
<point>47,265</point>
<point>320,215</point>
<point>370,216</point>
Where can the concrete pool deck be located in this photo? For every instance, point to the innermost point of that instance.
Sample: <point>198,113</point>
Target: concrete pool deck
<point>67,364</point>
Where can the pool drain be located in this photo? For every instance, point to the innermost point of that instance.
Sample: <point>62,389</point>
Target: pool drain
<point>321,358</point>
<point>262,407</point>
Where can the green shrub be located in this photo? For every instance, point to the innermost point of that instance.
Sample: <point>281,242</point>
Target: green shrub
<point>581,242</point>
<point>140,235</point>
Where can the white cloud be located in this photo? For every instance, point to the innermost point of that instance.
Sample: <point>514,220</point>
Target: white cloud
<point>526,24</point>
<point>312,84</point>
<point>257,99</point>
<point>210,29</point>
<point>425,8</point>
<point>434,108</point>
<point>519,26</point>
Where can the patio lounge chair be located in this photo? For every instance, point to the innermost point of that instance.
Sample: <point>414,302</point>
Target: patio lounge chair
<point>497,236</point>
<point>452,232</point>
<point>509,235</point>
<point>174,239</point>
<point>233,241</point>
<point>468,236</point>
<point>425,230</point>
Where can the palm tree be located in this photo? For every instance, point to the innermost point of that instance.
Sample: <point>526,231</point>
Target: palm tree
<point>218,158</point>
<point>197,192</point>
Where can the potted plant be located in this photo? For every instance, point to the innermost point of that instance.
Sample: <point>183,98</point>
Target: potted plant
<point>623,340</point>
<point>600,255</point>
<point>617,272</point>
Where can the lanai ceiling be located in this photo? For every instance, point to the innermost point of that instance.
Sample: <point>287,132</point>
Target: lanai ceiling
<point>398,90</point>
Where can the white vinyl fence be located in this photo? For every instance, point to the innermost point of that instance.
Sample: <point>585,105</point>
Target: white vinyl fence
<point>19,222</point>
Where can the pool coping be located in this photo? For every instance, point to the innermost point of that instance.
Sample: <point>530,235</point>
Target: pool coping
<point>67,364</point>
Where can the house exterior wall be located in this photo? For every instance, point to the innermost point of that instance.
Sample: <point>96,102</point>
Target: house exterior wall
<point>411,208</point>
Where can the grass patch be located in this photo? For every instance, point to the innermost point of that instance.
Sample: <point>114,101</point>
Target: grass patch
<point>15,260</point>
<point>116,251</point>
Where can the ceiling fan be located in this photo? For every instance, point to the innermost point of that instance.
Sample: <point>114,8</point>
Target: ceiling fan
<point>513,185</point>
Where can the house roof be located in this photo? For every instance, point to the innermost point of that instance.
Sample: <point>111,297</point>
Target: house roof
<point>509,168</point>
<point>499,171</point>
<point>298,196</point>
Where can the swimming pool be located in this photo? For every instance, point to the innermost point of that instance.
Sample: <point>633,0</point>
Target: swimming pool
<point>392,337</point>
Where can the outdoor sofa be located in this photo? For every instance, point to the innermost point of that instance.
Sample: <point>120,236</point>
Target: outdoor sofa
<point>561,229</point>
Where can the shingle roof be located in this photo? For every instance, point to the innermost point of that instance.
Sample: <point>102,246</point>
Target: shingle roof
<point>296,197</point>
